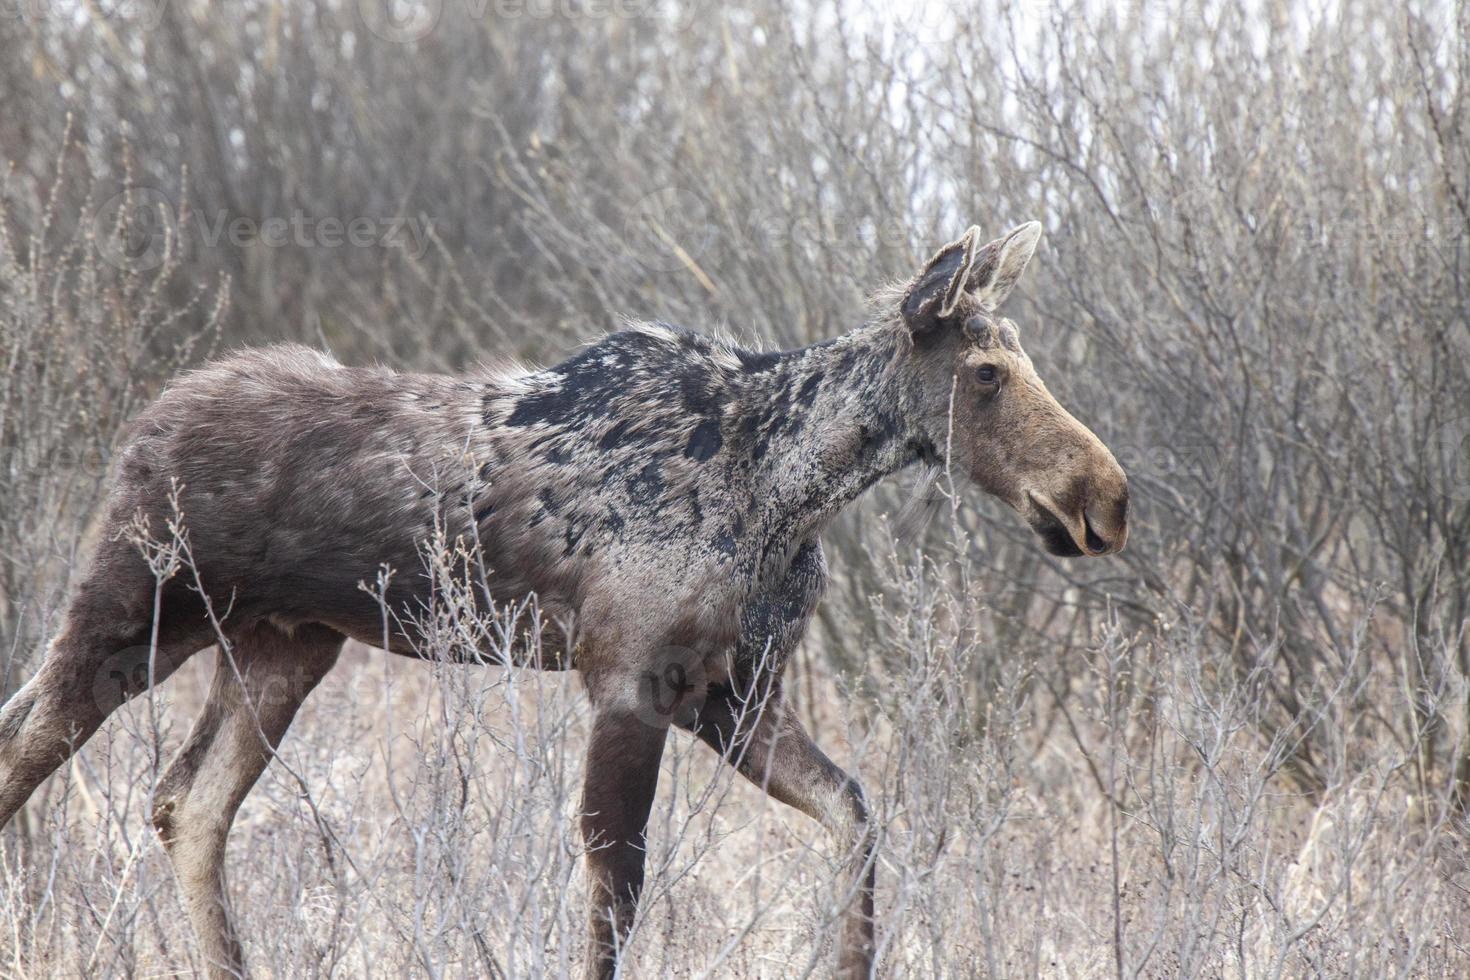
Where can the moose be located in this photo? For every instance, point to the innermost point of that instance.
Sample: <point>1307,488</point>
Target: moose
<point>658,491</point>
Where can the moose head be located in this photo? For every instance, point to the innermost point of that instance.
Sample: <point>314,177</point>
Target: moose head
<point>991,411</point>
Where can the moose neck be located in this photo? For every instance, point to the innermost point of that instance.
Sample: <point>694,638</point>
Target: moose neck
<point>827,422</point>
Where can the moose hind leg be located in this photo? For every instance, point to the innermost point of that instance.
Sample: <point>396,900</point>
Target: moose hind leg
<point>97,661</point>
<point>258,687</point>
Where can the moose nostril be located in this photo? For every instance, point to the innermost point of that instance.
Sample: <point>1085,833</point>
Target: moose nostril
<point>1095,544</point>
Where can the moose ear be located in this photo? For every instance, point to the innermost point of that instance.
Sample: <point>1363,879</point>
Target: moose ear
<point>1001,263</point>
<point>936,291</point>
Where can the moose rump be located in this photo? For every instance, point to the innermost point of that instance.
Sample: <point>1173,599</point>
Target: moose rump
<point>311,493</point>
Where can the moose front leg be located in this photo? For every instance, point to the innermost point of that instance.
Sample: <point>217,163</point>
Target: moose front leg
<point>766,743</point>
<point>618,789</point>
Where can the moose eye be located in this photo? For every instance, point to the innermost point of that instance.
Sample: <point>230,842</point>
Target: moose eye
<point>986,374</point>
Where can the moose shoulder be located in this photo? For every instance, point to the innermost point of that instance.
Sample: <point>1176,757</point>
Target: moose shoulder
<point>660,494</point>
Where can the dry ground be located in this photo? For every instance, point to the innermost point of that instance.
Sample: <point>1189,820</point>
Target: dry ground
<point>421,822</point>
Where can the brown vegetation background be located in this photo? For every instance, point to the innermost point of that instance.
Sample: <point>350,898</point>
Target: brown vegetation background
<point>1238,749</point>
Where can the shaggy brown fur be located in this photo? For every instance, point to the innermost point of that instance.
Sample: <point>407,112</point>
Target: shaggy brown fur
<point>661,495</point>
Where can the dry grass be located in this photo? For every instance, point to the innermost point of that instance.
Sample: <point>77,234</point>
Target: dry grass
<point>422,821</point>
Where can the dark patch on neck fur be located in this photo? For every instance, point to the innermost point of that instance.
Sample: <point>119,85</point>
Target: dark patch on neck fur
<point>754,362</point>
<point>704,441</point>
<point>808,391</point>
